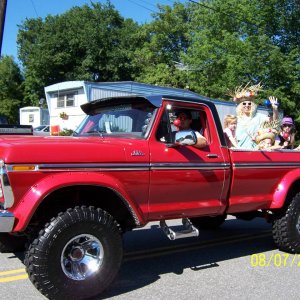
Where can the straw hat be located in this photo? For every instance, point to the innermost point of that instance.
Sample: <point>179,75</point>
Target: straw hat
<point>247,92</point>
<point>264,134</point>
<point>268,131</point>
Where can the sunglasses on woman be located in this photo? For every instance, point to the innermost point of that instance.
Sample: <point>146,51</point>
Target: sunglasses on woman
<point>247,103</point>
<point>287,125</point>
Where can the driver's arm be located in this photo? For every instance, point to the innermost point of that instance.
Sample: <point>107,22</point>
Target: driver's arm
<point>201,140</point>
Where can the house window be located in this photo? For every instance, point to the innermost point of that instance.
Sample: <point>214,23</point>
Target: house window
<point>66,100</point>
<point>31,118</point>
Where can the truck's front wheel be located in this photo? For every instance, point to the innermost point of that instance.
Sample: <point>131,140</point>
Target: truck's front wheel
<point>286,227</point>
<point>77,255</point>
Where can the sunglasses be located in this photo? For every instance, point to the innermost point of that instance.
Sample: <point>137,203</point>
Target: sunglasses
<point>247,103</point>
<point>287,125</point>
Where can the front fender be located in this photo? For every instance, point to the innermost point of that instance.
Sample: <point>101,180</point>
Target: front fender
<point>33,198</point>
<point>283,188</point>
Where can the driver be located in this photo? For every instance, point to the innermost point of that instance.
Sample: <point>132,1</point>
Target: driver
<point>183,122</point>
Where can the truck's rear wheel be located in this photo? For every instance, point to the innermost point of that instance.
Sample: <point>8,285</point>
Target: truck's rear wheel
<point>286,227</point>
<point>12,243</point>
<point>208,222</point>
<point>77,255</point>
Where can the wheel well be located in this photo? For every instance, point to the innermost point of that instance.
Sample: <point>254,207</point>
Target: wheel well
<point>293,191</point>
<point>99,197</point>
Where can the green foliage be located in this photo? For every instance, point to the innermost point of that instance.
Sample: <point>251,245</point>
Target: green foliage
<point>92,43</point>
<point>11,89</point>
<point>166,39</point>
<point>210,46</point>
<point>66,132</point>
<point>238,41</point>
<point>225,43</point>
<point>10,109</point>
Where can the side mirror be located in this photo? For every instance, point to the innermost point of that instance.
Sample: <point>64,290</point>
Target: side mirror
<point>185,138</point>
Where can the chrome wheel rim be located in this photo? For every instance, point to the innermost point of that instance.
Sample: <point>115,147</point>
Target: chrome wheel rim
<point>82,257</point>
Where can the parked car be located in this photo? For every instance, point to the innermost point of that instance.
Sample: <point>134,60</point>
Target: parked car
<point>42,130</point>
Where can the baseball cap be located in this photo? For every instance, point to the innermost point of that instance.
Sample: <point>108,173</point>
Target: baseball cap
<point>287,120</point>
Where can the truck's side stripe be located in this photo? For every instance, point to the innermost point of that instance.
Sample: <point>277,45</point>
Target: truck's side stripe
<point>155,166</point>
<point>273,165</point>
<point>123,167</point>
<point>190,166</point>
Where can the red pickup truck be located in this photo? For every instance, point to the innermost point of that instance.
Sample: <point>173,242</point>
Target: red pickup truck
<point>72,198</point>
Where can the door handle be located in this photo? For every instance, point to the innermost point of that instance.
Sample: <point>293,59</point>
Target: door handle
<point>212,155</point>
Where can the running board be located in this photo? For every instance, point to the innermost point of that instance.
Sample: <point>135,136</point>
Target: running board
<point>188,230</point>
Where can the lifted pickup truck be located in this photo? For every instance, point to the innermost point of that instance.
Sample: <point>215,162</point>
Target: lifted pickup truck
<point>125,166</point>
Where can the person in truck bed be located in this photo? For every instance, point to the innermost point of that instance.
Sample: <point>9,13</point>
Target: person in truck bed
<point>249,120</point>
<point>230,122</point>
<point>286,136</point>
<point>265,139</point>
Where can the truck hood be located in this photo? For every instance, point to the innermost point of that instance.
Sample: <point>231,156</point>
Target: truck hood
<point>62,149</point>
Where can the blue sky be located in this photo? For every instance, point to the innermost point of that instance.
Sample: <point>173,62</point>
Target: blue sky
<point>18,10</point>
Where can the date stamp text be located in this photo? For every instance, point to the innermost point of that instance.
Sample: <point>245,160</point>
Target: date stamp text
<point>275,259</point>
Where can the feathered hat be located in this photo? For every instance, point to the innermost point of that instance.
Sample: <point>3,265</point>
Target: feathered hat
<point>247,92</point>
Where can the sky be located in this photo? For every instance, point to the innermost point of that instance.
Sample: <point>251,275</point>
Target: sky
<point>18,10</point>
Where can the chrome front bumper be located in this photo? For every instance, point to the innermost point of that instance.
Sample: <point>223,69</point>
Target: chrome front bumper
<point>7,220</point>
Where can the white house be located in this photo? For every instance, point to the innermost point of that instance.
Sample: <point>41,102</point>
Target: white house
<point>64,99</point>
<point>34,115</point>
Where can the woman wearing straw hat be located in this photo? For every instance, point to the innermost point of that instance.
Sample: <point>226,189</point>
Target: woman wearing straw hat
<point>249,120</point>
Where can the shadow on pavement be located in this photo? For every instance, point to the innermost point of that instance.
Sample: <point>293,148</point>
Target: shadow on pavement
<point>149,254</point>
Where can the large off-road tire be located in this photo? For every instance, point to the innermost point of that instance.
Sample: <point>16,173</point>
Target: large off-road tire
<point>286,227</point>
<point>208,222</point>
<point>77,255</point>
<point>12,243</point>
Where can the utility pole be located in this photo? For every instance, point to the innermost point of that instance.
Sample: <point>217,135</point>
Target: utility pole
<point>3,4</point>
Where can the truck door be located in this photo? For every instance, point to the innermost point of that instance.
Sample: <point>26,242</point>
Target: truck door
<point>186,181</point>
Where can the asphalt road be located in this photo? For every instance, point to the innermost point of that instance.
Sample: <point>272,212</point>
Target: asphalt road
<point>238,261</point>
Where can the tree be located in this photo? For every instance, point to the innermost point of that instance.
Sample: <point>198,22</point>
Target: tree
<point>211,46</point>
<point>91,43</point>
<point>11,89</point>
<point>166,38</point>
<point>221,44</point>
<point>233,42</point>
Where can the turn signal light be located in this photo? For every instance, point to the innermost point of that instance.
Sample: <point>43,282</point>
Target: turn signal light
<point>24,168</point>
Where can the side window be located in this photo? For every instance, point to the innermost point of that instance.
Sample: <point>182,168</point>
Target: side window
<point>178,118</point>
<point>164,132</point>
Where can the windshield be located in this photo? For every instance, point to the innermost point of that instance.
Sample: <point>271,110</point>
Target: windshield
<point>125,119</point>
